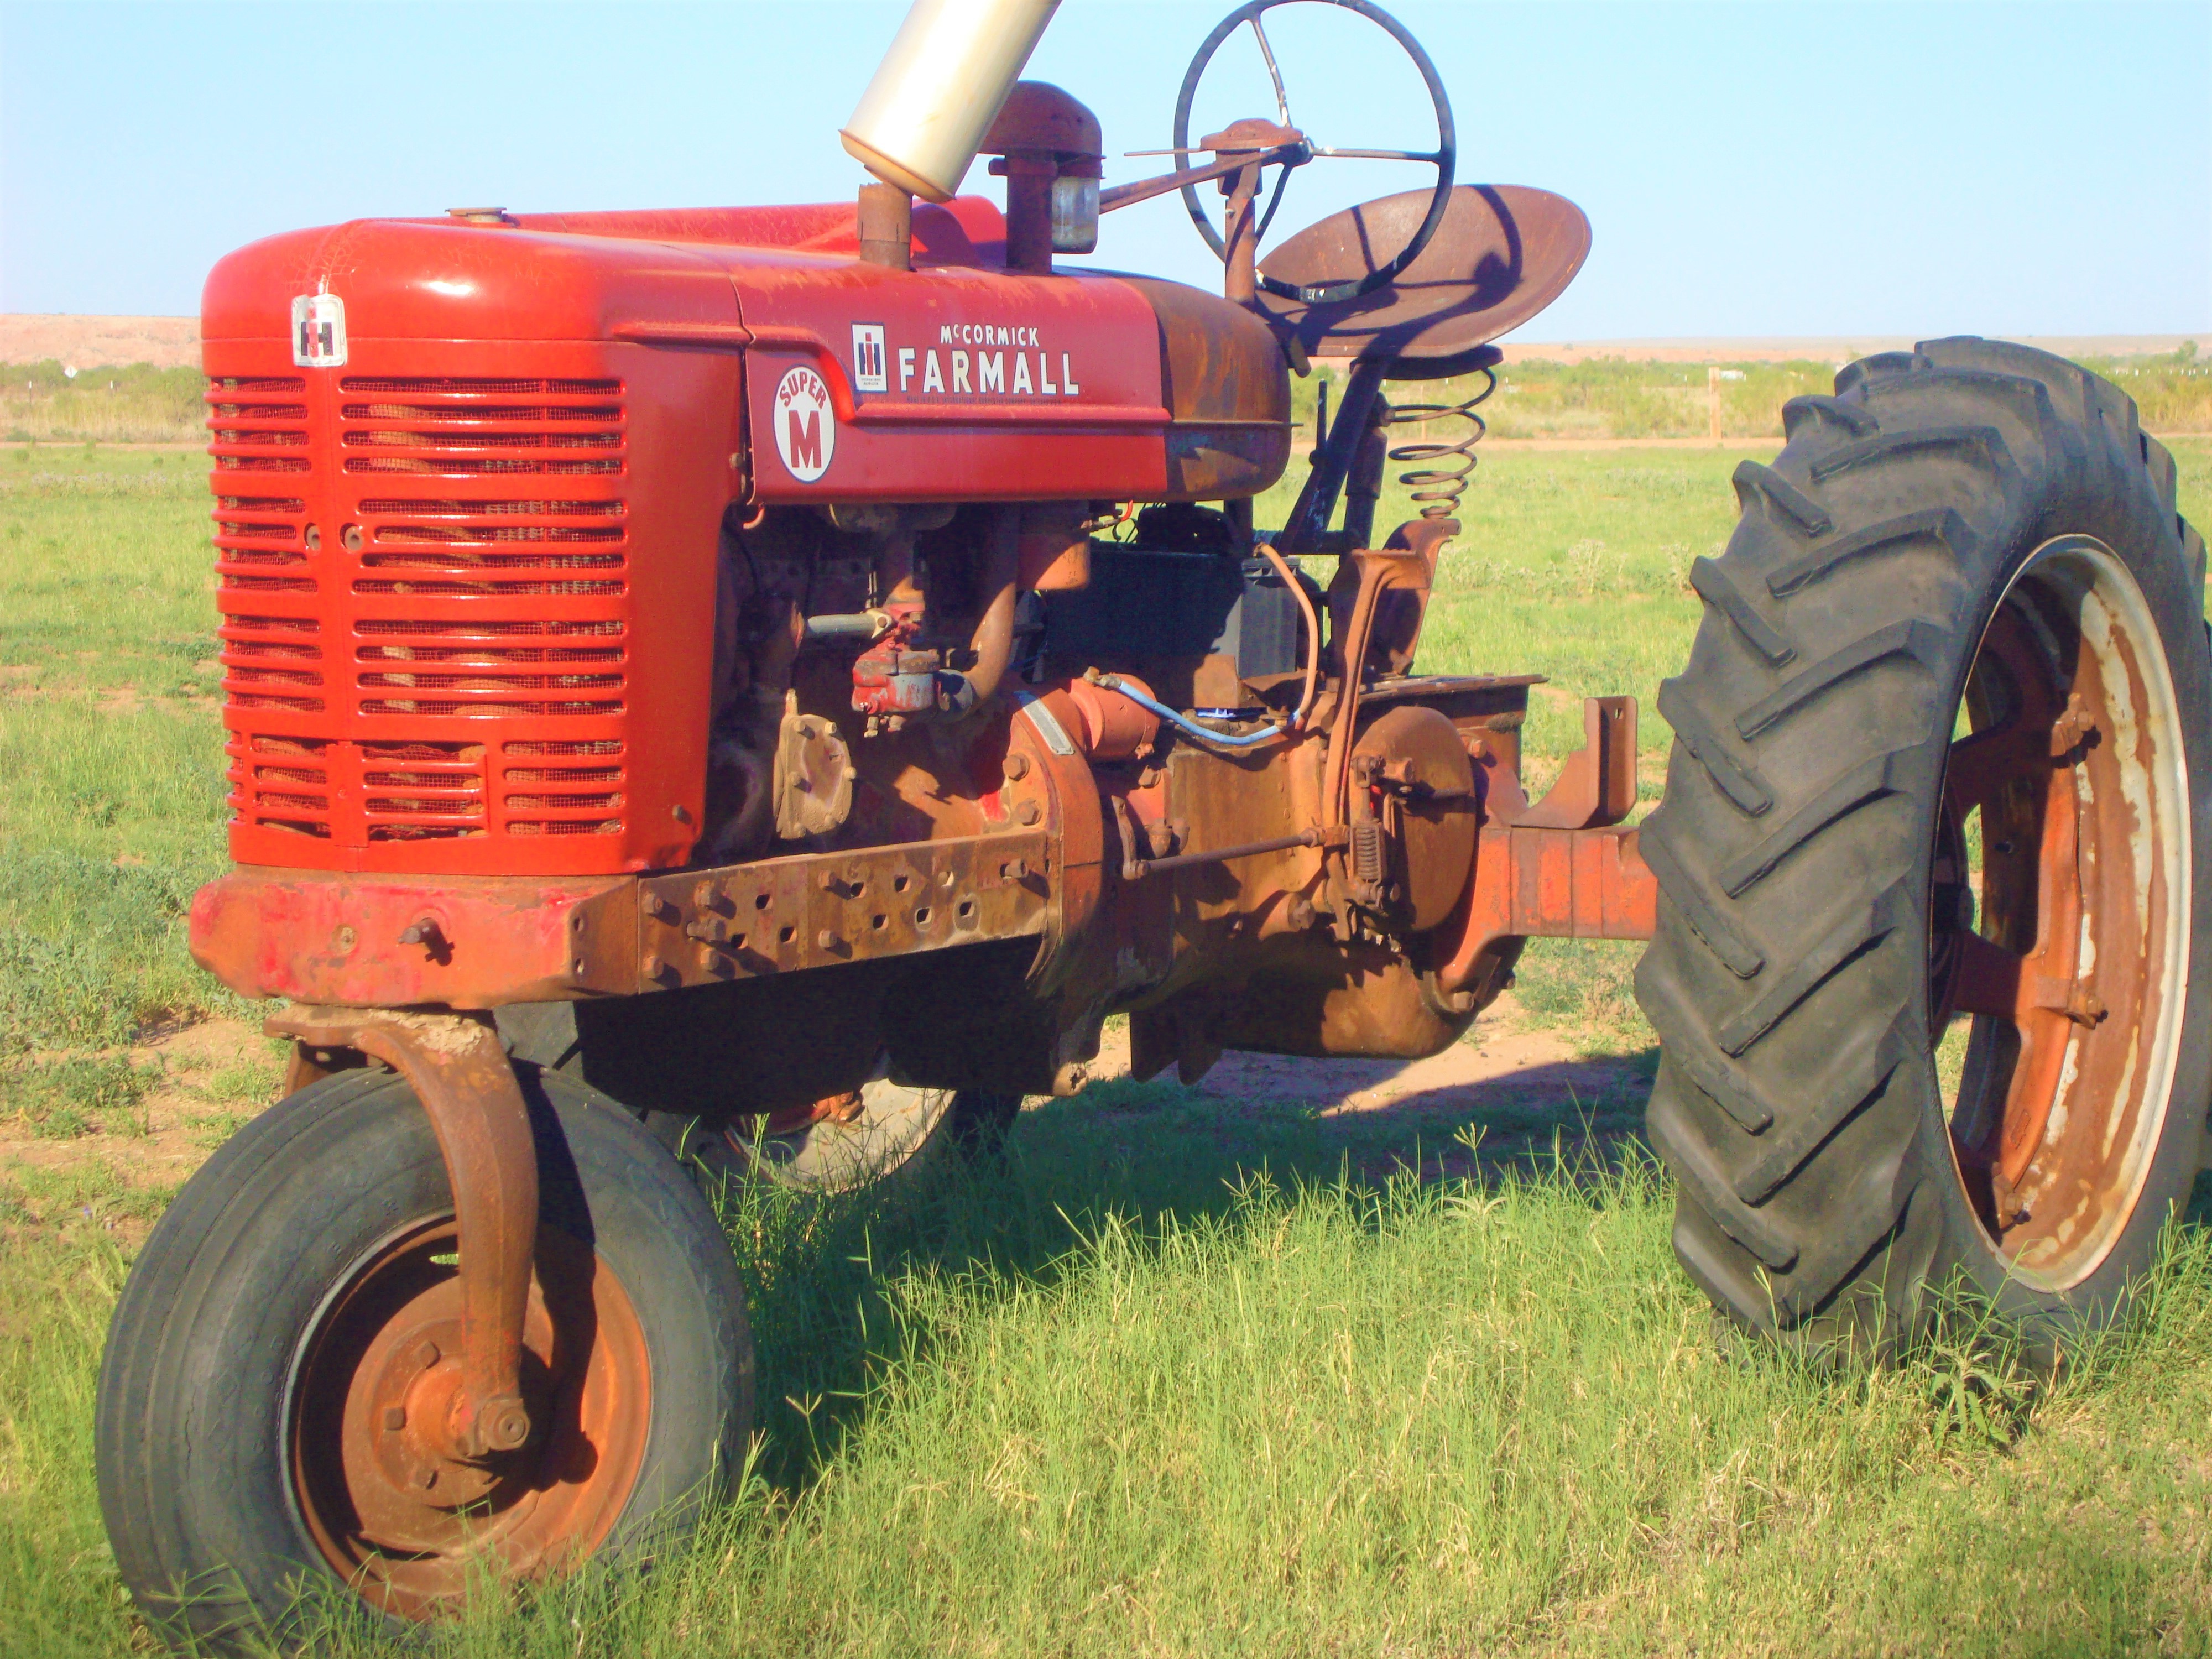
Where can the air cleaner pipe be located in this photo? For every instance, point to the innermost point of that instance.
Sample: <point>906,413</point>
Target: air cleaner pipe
<point>939,88</point>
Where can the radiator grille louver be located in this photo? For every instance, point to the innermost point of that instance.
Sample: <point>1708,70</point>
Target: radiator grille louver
<point>282,783</point>
<point>271,662</point>
<point>422,791</point>
<point>490,550</point>
<point>425,583</point>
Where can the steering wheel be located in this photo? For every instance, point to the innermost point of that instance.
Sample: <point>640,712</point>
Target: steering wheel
<point>1442,158</point>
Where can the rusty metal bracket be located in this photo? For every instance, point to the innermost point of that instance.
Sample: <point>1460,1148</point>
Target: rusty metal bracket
<point>1597,787</point>
<point>820,909</point>
<point>1532,882</point>
<point>461,1073</point>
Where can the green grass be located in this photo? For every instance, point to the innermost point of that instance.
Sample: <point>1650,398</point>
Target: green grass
<point>138,404</point>
<point>1181,1378</point>
<point>110,746</point>
<point>1127,1396</point>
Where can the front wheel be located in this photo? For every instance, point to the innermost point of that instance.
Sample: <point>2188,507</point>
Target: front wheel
<point>294,1318</point>
<point>1932,970</point>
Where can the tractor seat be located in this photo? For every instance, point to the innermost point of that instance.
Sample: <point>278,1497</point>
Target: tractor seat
<point>1501,253</point>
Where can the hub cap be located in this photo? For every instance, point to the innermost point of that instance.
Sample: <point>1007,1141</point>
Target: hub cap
<point>405,1520</point>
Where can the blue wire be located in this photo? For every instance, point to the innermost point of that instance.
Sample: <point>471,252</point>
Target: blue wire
<point>1112,683</point>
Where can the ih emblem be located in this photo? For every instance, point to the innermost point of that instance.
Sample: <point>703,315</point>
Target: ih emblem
<point>806,426</point>
<point>318,331</point>
<point>868,358</point>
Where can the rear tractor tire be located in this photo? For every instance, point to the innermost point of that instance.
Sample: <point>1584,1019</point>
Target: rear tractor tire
<point>1931,972</point>
<point>295,1315</point>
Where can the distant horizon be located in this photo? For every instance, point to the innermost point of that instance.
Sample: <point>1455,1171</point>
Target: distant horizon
<point>108,348</point>
<point>1754,169</point>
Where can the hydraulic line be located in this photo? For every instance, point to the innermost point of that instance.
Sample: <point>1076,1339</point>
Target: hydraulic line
<point>1313,635</point>
<point>1220,739</point>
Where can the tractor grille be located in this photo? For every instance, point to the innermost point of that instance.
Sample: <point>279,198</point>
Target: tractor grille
<point>272,647</point>
<point>425,622</point>
<point>496,656</point>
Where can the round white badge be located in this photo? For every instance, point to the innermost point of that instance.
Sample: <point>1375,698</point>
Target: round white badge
<point>805,425</point>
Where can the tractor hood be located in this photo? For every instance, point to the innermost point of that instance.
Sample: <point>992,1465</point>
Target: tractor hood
<point>958,381</point>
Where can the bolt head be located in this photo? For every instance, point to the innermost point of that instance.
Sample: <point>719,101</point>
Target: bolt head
<point>395,1418</point>
<point>1018,766</point>
<point>427,1355</point>
<point>426,1479</point>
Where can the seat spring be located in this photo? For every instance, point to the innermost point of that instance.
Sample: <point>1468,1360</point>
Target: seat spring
<point>1438,472</point>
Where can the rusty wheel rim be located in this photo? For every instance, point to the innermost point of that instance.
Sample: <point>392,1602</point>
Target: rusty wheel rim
<point>413,1527</point>
<point>2060,899</point>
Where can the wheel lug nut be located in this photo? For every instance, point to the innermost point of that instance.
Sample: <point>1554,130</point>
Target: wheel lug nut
<point>426,1479</point>
<point>427,1355</point>
<point>395,1417</point>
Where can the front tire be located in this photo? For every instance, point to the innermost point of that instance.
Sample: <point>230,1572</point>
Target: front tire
<point>253,1429</point>
<point>1941,770</point>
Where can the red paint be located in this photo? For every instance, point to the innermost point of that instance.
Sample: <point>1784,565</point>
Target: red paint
<point>318,938</point>
<point>467,576</point>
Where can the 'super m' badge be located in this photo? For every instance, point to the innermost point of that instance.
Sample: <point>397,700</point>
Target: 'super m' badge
<point>805,425</point>
<point>318,331</point>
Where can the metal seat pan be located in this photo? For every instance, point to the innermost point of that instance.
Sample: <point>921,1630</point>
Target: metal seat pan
<point>1501,254</point>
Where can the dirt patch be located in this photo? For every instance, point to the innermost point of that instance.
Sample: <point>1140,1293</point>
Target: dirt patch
<point>215,1075</point>
<point>100,341</point>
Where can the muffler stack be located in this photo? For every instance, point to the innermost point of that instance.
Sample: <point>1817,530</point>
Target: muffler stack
<point>940,87</point>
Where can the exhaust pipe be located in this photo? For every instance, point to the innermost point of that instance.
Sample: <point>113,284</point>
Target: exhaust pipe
<point>939,88</point>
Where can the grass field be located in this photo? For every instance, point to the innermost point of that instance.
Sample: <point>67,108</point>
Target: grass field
<point>1180,1378</point>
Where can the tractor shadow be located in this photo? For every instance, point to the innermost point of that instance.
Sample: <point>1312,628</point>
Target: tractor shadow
<point>849,1293</point>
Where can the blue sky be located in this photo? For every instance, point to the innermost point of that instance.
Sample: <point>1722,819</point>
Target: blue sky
<point>1750,167</point>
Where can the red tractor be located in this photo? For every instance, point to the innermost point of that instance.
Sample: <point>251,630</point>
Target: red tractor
<point>686,711</point>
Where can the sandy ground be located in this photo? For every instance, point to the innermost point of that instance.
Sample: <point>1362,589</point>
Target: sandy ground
<point>100,341</point>
<point>1504,1056</point>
